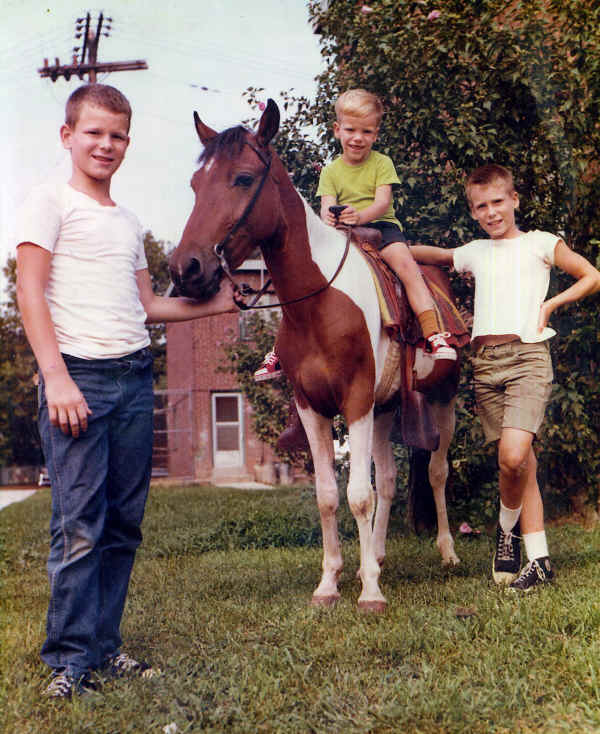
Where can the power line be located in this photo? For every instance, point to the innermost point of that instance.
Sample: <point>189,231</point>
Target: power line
<point>87,62</point>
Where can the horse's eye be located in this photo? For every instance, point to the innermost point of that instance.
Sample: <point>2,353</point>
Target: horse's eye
<point>245,180</point>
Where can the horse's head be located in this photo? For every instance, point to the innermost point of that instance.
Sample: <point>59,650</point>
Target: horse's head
<point>235,205</point>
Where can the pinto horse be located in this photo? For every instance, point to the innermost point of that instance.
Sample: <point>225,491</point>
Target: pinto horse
<point>330,342</point>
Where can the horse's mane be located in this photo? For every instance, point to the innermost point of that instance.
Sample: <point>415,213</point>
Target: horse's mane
<point>229,143</point>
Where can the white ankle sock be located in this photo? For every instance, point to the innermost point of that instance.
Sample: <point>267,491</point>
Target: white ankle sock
<point>508,518</point>
<point>536,545</point>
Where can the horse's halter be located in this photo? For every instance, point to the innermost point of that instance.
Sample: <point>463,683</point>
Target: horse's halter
<point>219,249</point>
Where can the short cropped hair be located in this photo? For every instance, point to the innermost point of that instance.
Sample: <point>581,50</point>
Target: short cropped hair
<point>98,95</point>
<point>359,103</point>
<point>487,174</point>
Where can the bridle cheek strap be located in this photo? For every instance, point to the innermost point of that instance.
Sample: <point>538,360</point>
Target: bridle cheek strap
<point>219,248</point>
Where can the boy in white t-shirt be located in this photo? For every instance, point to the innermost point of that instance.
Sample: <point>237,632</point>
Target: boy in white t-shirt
<point>511,364</point>
<point>85,295</point>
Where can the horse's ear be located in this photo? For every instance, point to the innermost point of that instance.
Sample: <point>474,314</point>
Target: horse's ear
<point>205,133</point>
<point>269,124</point>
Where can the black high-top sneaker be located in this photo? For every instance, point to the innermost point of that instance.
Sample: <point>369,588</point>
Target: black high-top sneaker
<point>535,573</point>
<point>507,556</point>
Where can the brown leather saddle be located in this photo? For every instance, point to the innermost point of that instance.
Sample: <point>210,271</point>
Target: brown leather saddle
<point>415,425</point>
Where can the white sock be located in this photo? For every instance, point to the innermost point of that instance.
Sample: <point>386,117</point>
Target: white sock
<point>536,545</point>
<point>508,518</point>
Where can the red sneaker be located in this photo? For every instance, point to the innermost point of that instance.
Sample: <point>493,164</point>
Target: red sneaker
<point>269,369</point>
<point>439,347</point>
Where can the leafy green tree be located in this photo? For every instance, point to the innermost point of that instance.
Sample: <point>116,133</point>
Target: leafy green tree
<point>269,400</point>
<point>464,84</point>
<point>19,440</point>
<point>159,274</point>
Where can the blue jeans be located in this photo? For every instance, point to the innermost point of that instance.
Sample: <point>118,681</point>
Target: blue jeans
<point>99,488</point>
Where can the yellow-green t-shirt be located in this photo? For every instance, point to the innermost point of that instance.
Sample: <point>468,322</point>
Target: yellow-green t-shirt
<point>356,185</point>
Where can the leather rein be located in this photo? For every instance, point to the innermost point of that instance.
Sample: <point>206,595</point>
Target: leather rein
<point>244,289</point>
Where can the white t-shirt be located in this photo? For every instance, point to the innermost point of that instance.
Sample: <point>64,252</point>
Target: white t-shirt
<point>511,282</point>
<point>92,289</point>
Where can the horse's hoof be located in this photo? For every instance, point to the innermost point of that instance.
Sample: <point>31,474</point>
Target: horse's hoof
<point>375,607</point>
<point>325,601</point>
<point>451,562</point>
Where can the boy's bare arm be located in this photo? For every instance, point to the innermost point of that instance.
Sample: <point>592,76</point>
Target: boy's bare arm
<point>380,205</point>
<point>429,255</point>
<point>160,309</point>
<point>67,408</point>
<point>586,275</point>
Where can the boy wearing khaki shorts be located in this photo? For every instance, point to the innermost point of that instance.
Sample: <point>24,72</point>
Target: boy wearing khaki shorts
<point>511,364</point>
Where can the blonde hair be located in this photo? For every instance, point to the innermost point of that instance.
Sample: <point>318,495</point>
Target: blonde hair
<point>487,174</point>
<point>98,95</point>
<point>359,103</point>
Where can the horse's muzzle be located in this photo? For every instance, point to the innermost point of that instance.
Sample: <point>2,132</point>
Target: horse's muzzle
<point>193,281</point>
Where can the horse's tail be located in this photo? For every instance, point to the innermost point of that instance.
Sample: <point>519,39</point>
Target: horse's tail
<point>421,505</point>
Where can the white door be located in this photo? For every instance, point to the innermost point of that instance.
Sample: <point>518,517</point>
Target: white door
<point>228,447</point>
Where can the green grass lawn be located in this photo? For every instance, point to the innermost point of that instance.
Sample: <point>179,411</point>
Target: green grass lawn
<point>219,601</point>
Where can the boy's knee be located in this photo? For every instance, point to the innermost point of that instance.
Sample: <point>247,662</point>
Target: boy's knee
<point>400,258</point>
<point>513,463</point>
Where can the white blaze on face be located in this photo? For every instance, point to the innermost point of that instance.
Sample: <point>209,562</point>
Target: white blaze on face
<point>207,165</point>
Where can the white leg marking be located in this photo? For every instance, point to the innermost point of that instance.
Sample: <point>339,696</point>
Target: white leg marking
<point>318,431</point>
<point>361,499</point>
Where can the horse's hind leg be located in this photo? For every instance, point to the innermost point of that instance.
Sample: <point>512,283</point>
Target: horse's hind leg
<point>438,475</point>
<point>318,430</point>
<point>385,480</point>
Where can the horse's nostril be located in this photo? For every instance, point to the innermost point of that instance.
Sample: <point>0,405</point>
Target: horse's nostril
<point>192,269</point>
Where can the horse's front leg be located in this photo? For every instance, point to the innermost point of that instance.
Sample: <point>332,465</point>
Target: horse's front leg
<point>361,499</point>
<point>438,475</point>
<point>318,431</point>
<point>385,480</point>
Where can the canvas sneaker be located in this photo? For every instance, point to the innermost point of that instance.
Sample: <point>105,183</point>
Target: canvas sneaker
<point>63,685</point>
<point>269,368</point>
<point>507,556</point>
<point>439,347</point>
<point>535,573</point>
<point>123,664</point>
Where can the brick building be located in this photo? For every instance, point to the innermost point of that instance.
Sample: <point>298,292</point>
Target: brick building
<point>208,426</point>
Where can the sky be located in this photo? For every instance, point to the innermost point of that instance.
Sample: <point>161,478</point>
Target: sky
<point>201,54</point>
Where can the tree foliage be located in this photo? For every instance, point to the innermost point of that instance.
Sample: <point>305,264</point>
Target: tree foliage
<point>159,273</point>
<point>464,84</point>
<point>269,400</point>
<point>19,440</point>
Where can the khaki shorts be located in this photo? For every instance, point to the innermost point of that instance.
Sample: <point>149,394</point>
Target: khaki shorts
<point>512,385</point>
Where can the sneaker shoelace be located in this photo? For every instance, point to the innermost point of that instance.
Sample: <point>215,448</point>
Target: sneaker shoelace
<point>60,686</point>
<point>125,662</point>
<point>533,568</point>
<point>63,685</point>
<point>270,360</point>
<point>506,549</point>
<point>439,339</point>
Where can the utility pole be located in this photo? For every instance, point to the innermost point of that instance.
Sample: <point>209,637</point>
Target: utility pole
<point>88,63</point>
